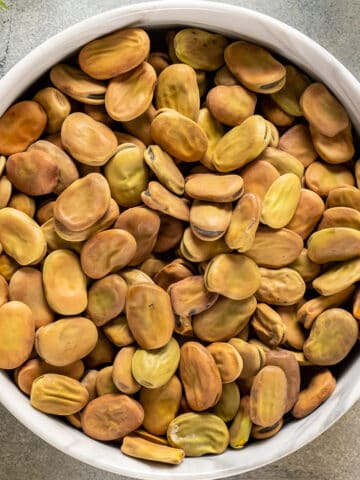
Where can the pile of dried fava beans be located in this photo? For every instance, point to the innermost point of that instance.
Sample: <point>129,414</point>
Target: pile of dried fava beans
<point>178,278</point>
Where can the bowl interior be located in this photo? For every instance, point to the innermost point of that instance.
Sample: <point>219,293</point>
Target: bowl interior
<point>299,49</point>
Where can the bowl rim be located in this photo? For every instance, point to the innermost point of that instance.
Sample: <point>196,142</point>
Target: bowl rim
<point>23,74</point>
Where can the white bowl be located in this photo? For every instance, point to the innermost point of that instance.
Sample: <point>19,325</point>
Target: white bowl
<point>234,22</point>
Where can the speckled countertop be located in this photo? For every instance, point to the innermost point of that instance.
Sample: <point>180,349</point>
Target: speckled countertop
<point>333,24</point>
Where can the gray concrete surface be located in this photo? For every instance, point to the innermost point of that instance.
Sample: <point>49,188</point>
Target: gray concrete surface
<point>332,23</point>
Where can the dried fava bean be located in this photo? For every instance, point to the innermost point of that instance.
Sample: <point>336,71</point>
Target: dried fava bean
<point>57,107</point>
<point>107,251</point>
<point>141,126</point>
<point>104,383</point>
<point>99,113</point>
<point>88,141</point>
<point>209,221</point>
<point>322,178</point>
<point>54,241</point>
<point>283,286</point>
<point>4,291</point>
<point>280,201</point>
<point>200,376</point>
<point>172,273</point>
<point>178,135</point>
<point>129,95</point>
<point>223,76</point>
<point>17,332</point>
<point>214,131</point>
<point>307,214</point>
<point>202,81</point>
<point>114,54</point>
<point>58,394</point>
<point>8,266</point>
<point>334,150</point>
<point>64,283</point>
<point>122,374</point>
<point>89,382</point>
<point>111,416</point>
<point>159,61</point>
<point>274,137</point>
<point>106,299</point>
<point>243,224</point>
<point>268,396</point>
<point>268,325</point>
<point>153,368</point>
<point>310,310</point>
<point>242,144</point>
<point>26,286</point>
<point>229,403</point>
<point>103,352</point>
<point>127,175</point>
<point>159,198</point>
<point>240,428</point>
<point>306,267</point>
<point>295,333</point>
<point>347,196</point>
<point>190,296</point>
<point>134,276</point>
<point>68,172</point>
<point>150,316</point>
<point>160,405</point>
<point>32,172</point>
<point>275,248</point>
<point>253,357</point>
<point>282,161</point>
<point>231,105</point>
<point>289,95</point>
<point>272,112</point>
<point>340,217</point>
<point>165,169</point>
<point>44,212</point>
<point>260,433</point>
<point>257,177</point>
<point>196,250</point>
<point>118,332</point>
<point>127,138</point>
<point>169,235</point>
<point>201,49</point>
<point>149,450</point>
<point>297,141</point>
<point>332,336</point>
<point>24,203</point>
<point>66,340</point>
<point>334,245</point>
<point>152,265</point>
<point>77,85</point>
<point>177,88</point>
<point>235,276</point>
<point>144,225</point>
<point>35,367</point>
<point>323,110</point>
<point>5,191</point>
<point>21,237</point>
<point>288,363</point>
<point>255,67</point>
<point>198,434</point>
<point>227,359</point>
<point>321,386</point>
<point>21,125</point>
<point>214,188</point>
<point>338,278</point>
<point>209,325</point>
